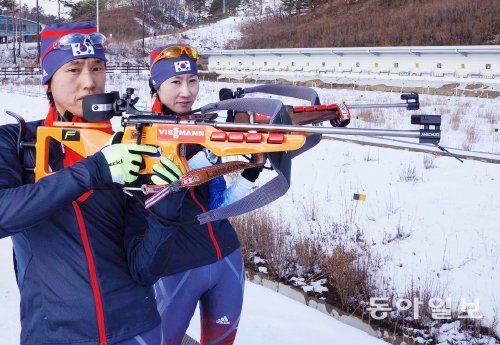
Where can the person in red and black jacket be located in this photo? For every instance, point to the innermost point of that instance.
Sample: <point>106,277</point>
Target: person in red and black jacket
<point>204,264</point>
<point>85,252</point>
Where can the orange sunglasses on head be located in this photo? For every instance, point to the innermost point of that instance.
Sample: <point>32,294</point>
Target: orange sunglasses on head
<point>174,52</point>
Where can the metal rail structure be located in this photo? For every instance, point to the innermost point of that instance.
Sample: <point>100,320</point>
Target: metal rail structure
<point>439,63</point>
<point>435,62</point>
<point>18,71</point>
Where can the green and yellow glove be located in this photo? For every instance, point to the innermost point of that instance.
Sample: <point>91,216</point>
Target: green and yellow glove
<point>124,160</point>
<point>166,172</point>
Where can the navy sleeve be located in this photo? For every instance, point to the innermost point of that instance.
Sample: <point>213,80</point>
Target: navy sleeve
<point>22,206</point>
<point>148,242</point>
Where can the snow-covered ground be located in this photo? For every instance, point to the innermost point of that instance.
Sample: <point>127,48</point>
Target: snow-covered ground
<point>268,318</point>
<point>206,37</point>
<point>434,228</point>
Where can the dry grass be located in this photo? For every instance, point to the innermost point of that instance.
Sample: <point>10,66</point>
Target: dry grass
<point>409,174</point>
<point>384,23</point>
<point>331,251</point>
<point>368,157</point>
<point>348,272</point>
<point>120,22</point>
<point>373,117</point>
<point>260,234</point>
<point>429,161</point>
<point>472,135</point>
<point>491,117</point>
<point>307,252</point>
<point>471,138</point>
<point>419,313</point>
<point>310,209</point>
<point>455,121</point>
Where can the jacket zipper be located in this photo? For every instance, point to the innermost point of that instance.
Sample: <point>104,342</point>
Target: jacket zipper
<point>93,275</point>
<point>209,224</point>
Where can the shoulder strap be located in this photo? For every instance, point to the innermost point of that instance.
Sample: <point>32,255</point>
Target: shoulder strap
<point>295,91</point>
<point>281,162</point>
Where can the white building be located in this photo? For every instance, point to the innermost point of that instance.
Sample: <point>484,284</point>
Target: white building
<point>385,62</point>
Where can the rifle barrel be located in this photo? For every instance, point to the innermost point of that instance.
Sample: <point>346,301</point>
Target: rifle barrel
<point>318,130</point>
<point>148,119</point>
<point>371,106</point>
<point>292,129</point>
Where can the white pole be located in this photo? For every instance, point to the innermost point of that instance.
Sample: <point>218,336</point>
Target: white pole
<point>223,6</point>
<point>97,11</point>
<point>143,26</point>
<point>20,28</point>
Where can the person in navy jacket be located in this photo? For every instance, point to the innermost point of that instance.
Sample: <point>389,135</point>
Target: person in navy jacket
<point>84,251</point>
<point>204,265</point>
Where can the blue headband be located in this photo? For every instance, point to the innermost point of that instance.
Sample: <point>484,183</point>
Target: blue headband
<point>167,68</point>
<point>55,58</point>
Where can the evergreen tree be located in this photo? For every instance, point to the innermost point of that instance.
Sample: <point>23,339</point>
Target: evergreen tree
<point>85,10</point>
<point>8,5</point>
<point>217,7</point>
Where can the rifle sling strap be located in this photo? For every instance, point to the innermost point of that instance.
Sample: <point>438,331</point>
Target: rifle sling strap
<point>281,163</point>
<point>196,177</point>
<point>266,194</point>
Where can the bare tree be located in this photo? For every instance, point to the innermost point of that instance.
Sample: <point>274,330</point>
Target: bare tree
<point>10,7</point>
<point>61,4</point>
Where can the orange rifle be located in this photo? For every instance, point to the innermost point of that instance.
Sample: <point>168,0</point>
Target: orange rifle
<point>171,134</point>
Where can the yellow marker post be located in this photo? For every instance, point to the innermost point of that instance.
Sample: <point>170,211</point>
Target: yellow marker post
<point>359,197</point>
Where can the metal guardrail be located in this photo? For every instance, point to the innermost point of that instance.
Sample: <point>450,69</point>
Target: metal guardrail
<point>398,63</point>
<point>18,71</point>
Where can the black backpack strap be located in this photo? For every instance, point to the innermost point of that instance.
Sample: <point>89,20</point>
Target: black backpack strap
<point>295,91</point>
<point>15,263</point>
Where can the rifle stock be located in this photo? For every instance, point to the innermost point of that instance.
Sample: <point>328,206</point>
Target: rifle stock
<point>88,138</point>
<point>302,115</point>
<point>83,138</point>
<point>169,139</point>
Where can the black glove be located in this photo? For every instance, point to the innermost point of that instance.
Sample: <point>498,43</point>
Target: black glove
<point>251,174</point>
<point>116,138</point>
<point>225,94</point>
<point>340,123</point>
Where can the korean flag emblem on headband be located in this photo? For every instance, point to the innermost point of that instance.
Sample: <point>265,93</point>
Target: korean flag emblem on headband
<point>182,66</point>
<point>80,49</point>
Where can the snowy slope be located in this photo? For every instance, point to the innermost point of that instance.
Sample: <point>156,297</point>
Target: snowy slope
<point>205,37</point>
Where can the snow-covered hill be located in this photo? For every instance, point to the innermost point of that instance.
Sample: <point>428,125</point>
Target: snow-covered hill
<point>205,37</point>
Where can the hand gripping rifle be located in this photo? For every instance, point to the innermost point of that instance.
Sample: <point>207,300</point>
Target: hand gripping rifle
<point>279,139</point>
